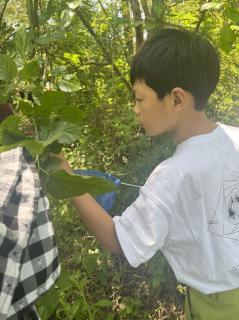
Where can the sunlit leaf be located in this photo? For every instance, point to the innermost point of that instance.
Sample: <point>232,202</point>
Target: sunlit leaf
<point>211,5</point>
<point>74,4</point>
<point>70,84</point>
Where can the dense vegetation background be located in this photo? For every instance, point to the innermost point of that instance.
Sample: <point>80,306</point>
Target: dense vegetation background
<point>83,49</point>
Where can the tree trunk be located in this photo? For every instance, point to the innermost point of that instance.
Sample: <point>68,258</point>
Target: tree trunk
<point>3,11</point>
<point>128,35</point>
<point>137,19</point>
<point>145,8</point>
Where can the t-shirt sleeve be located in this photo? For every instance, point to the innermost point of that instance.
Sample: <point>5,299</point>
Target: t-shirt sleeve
<point>141,229</point>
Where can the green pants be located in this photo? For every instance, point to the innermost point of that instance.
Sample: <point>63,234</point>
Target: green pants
<point>216,306</point>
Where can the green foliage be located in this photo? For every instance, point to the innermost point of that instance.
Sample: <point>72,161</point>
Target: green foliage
<point>8,69</point>
<point>66,94</point>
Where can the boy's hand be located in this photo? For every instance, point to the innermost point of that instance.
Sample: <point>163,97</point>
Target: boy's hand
<point>64,165</point>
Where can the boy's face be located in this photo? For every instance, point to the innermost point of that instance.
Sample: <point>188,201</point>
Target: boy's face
<point>156,116</point>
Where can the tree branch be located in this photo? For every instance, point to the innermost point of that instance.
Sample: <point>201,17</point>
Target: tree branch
<point>201,18</point>
<point>3,11</point>
<point>102,47</point>
<point>145,8</point>
<point>137,18</point>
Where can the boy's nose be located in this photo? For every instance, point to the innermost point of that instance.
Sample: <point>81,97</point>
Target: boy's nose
<point>136,109</point>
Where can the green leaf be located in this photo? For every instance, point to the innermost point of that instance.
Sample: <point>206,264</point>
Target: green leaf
<point>50,10</point>
<point>47,304</point>
<point>26,108</point>
<point>11,122</point>
<point>9,136</point>
<point>8,69</point>
<point>211,5</point>
<point>227,38</point>
<point>64,281</point>
<point>74,4</point>
<point>62,185</point>
<point>62,132</point>
<point>22,42</point>
<point>71,114</point>
<point>4,93</point>
<point>51,37</point>
<point>232,14</point>
<point>51,101</point>
<point>59,70</point>
<point>31,71</point>
<point>70,83</point>
<point>158,8</point>
<point>9,147</point>
<point>51,164</point>
<point>34,147</point>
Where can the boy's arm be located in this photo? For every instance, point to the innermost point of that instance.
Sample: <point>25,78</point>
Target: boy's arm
<point>98,222</point>
<point>95,218</point>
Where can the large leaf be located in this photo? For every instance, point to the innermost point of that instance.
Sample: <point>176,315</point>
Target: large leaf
<point>62,132</point>
<point>34,147</point>
<point>9,130</point>
<point>22,42</point>
<point>63,185</point>
<point>26,108</point>
<point>9,136</point>
<point>31,71</point>
<point>8,69</point>
<point>51,101</point>
<point>11,122</point>
<point>71,114</point>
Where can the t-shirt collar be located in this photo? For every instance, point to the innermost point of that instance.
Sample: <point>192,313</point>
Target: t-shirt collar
<point>200,138</point>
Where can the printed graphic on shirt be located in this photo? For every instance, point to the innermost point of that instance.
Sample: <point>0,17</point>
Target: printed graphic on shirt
<point>225,220</point>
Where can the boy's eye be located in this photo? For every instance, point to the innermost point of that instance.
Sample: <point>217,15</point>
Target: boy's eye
<point>138,99</point>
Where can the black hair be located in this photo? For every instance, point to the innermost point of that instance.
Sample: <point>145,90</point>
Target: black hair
<point>172,58</point>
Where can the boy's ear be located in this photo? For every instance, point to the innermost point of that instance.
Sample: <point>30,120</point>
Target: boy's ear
<point>179,97</point>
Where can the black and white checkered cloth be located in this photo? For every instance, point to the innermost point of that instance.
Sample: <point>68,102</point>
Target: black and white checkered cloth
<point>29,263</point>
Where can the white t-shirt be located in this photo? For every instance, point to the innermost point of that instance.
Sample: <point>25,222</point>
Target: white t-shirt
<point>189,209</point>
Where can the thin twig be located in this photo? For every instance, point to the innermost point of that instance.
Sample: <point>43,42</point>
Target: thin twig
<point>3,11</point>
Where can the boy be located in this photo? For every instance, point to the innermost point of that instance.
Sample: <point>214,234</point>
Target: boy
<point>189,206</point>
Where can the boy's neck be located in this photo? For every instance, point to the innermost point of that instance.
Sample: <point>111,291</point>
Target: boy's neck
<point>197,124</point>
